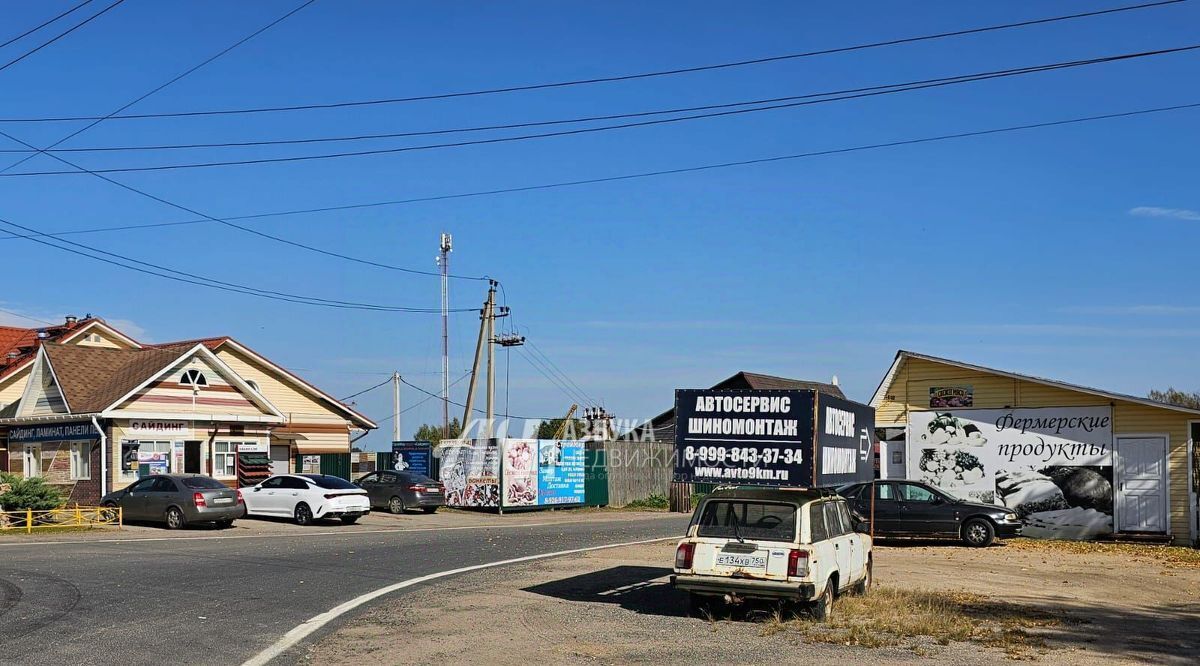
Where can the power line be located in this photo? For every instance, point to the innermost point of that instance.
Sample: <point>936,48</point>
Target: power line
<point>459,404</point>
<point>176,78</point>
<point>191,278</point>
<point>46,23</point>
<point>878,89</point>
<point>526,137</point>
<point>59,36</point>
<point>615,78</point>
<point>566,390</point>
<point>418,403</point>
<point>367,390</point>
<point>164,201</point>
<point>629,176</point>
<point>538,350</point>
<point>25,316</point>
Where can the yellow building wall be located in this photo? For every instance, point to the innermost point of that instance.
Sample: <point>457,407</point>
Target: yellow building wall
<point>909,390</point>
<point>202,431</point>
<point>296,405</point>
<point>13,386</point>
<point>99,338</point>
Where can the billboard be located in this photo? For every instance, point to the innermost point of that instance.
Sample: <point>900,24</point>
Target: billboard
<point>1052,465</point>
<point>797,438</point>
<point>412,456</point>
<point>513,473</point>
<point>845,441</point>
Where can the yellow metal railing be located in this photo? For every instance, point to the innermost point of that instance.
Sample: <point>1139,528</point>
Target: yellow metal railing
<point>28,520</point>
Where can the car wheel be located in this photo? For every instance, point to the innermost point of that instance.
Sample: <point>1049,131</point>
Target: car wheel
<point>302,515</point>
<point>700,606</point>
<point>978,533</point>
<point>349,520</point>
<point>109,511</point>
<point>822,608</point>
<point>396,505</point>
<point>864,586</point>
<point>429,509</point>
<point>175,519</point>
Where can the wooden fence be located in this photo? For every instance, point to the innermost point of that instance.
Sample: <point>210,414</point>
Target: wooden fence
<point>637,470</point>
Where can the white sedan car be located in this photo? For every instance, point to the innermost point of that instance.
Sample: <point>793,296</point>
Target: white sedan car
<point>307,497</point>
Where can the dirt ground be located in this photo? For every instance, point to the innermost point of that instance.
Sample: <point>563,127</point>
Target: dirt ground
<point>615,606</point>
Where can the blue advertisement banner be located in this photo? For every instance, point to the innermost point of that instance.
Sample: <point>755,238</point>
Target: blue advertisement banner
<point>56,432</point>
<point>412,457</point>
<point>560,472</point>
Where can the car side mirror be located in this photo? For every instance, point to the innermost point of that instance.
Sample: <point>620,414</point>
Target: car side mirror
<point>257,488</point>
<point>862,528</point>
<point>936,500</point>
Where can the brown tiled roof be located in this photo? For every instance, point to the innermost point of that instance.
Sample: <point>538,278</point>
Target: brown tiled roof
<point>92,378</point>
<point>23,342</point>
<point>211,343</point>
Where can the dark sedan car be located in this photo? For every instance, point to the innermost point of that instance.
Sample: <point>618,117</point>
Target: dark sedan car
<point>401,491</point>
<point>915,509</point>
<point>178,499</point>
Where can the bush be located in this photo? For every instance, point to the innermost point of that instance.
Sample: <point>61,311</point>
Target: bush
<point>25,493</point>
<point>652,502</point>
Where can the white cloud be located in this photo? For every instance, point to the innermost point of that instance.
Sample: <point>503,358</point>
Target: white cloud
<point>1172,213</point>
<point>130,328</point>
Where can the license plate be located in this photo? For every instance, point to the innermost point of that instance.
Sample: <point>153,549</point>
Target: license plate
<point>223,500</point>
<point>742,561</point>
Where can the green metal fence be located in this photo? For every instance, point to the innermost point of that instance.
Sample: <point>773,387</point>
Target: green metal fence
<point>333,464</point>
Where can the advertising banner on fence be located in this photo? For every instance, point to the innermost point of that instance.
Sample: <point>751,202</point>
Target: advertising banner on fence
<point>413,456</point>
<point>747,437</point>
<point>470,472</point>
<point>560,472</point>
<point>1051,465</point>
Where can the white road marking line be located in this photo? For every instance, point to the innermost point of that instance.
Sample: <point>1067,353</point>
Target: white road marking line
<point>308,627</point>
<point>298,533</point>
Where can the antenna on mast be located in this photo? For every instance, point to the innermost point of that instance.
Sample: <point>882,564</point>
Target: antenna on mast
<point>445,246</point>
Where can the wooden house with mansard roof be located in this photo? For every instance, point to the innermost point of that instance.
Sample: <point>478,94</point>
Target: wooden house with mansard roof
<point>92,418</point>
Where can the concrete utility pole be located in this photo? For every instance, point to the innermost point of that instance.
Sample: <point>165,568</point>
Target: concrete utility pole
<point>396,406</point>
<point>443,260</point>
<point>485,316</point>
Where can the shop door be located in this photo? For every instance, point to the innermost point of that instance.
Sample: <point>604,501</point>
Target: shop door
<point>1141,484</point>
<point>280,456</point>
<point>191,457</point>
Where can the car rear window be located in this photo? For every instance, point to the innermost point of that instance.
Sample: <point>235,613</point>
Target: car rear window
<point>748,519</point>
<point>331,482</point>
<point>417,478</point>
<point>201,482</point>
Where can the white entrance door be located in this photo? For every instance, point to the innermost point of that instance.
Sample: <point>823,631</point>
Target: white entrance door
<point>279,459</point>
<point>1141,477</point>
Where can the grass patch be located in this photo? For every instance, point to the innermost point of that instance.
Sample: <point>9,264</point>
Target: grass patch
<point>651,503</point>
<point>917,619</point>
<point>1173,556</point>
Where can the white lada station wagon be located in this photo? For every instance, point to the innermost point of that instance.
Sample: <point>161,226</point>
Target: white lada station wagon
<point>772,543</point>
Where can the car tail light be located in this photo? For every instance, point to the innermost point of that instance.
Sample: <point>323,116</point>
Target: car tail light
<point>241,500</point>
<point>683,555</point>
<point>330,495</point>
<point>198,499</point>
<point>797,563</point>
<point>419,489</point>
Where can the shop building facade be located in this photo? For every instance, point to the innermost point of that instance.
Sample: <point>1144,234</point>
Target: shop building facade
<point>1076,462</point>
<point>92,419</point>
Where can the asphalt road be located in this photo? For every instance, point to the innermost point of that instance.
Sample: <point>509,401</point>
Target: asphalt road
<point>221,601</point>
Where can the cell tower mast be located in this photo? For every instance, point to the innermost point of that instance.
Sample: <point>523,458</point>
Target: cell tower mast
<point>443,261</point>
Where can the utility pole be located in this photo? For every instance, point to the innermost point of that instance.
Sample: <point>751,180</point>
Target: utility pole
<point>443,261</point>
<point>485,316</point>
<point>396,406</point>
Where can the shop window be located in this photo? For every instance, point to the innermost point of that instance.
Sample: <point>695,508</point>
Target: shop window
<point>154,455</point>
<point>33,460</point>
<point>225,459</point>
<point>194,378</point>
<point>81,460</point>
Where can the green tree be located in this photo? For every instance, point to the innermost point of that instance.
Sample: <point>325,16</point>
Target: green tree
<point>18,493</point>
<point>576,429</point>
<point>429,432</point>
<point>1173,396</point>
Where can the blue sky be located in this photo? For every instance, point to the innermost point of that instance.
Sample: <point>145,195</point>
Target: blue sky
<point>1064,252</point>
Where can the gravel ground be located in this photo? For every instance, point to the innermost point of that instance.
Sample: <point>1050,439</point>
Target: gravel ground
<point>616,607</point>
